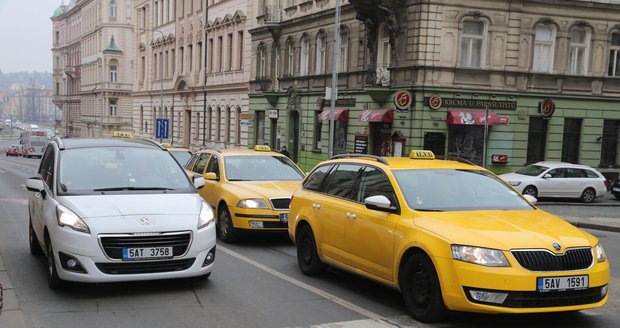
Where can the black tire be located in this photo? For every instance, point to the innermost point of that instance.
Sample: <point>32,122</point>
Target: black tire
<point>530,190</point>
<point>588,195</point>
<point>52,274</point>
<point>421,290</point>
<point>225,228</point>
<point>307,255</point>
<point>35,247</point>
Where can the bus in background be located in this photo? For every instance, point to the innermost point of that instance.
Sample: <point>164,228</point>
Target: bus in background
<point>34,143</point>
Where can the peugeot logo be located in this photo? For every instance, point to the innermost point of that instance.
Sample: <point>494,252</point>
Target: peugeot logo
<point>145,221</point>
<point>556,246</point>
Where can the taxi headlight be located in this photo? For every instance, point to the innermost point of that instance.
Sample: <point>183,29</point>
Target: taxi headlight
<point>514,183</point>
<point>600,253</point>
<point>252,203</point>
<point>67,218</point>
<point>481,256</point>
<point>206,216</point>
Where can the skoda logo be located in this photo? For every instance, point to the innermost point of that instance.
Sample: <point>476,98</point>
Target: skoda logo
<point>146,221</point>
<point>557,246</point>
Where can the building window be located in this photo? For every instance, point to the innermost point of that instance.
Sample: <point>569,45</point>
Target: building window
<point>238,126</point>
<point>113,106</point>
<point>262,62</point>
<point>197,127</point>
<point>229,55</point>
<point>276,62</point>
<point>57,37</point>
<point>304,56</point>
<point>240,50</point>
<point>614,55</point>
<point>579,51</point>
<point>321,52</point>
<point>209,123</point>
<point>142,68</point>
<point>190,55</point>
<point>113,8</point>
<point>181,62</point>
<point>218,126</point>
<point>57,88</point>
<point>318,129</point>
<point>260,127</point>
<point>57,62</point>
<point>228,122</point>
<point>571,140</point>
<point>344,51</point>
<point>537,139</point>
<point>472,44</point>
<point>210,56</point>
<point>220,50</point>
<point>113,72</point>
<point>290,58</point>
<point>544,46</point>
<point>142,127</point>
<point>609,147</point>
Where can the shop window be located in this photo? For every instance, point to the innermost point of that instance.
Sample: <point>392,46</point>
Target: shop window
<point>260,127</point>
<point>544,45</point>
<point>472,44</point>
<point>537,139</point>
<point>609,146</point>
<point>571,140</point>
<point>340,137</point>
<point>579,51</point>
<point>614,55</point>
<point>273,140</point>
<point>466,141</point>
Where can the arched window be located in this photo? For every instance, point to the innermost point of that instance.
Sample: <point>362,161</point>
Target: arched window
<point>473,39</point>
<point>238,126</point>
<point>614,55</point>
<point>262,62</point>
<point>209,123</point>
<point>579,52</point>
<point>544,48</point>
<point>113,8</point>
<point>228,122</point>
<point>218,127</point>
<point>276,61</point>
<point>344,51</point>
<point>290,57</point>
<point>321,53</point>
<point>113,71</point>
<point>304,56</point>
<point>142,127</point>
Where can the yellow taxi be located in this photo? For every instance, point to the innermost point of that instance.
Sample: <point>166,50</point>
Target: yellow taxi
<point>249,189</point>
<point>182,155</point>
<point>448,234</point>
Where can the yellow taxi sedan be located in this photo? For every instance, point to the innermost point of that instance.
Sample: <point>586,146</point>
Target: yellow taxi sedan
<point>450,235</point>
<point>249,189</point>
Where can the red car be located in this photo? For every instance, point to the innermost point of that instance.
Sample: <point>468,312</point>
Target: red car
<point>26,152</point>
<point>14,150</point>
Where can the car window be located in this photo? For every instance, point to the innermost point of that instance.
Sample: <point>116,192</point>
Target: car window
<point>341,181</point>
<point>261,168</point>
<point>182,156</point>
<point>574,173</point>
<point>374,182</point>
<point>316,178</point>
<point>192,161</point>
<point>556,173</point>
<point>214,166</point>
<point>46,169</point>
<point>532,170</point>
<point>591,174</point>
<point>202,162</point>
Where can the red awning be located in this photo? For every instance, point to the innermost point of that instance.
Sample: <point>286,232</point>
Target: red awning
<point>474,118</point>
<point>377,115</point>
<point>340,114</point>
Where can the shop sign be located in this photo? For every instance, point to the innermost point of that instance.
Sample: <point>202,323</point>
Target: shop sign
<point>435,102</point>
<point>499,159</point>
<point>245,116</point>
<point>245,123</point>
<point>403,100</point>
<point>273,114</point>
<point>361,144</point>
<point>547,107</point>
<point>343,102</point>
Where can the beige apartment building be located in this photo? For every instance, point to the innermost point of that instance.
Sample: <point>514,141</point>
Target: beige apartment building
<point>192,68</point>
<point>93,53</point>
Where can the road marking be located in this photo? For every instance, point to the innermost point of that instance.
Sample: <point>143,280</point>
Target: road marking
<point>322,293</point>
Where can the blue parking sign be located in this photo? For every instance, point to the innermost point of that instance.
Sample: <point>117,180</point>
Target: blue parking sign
<point>161,131</point>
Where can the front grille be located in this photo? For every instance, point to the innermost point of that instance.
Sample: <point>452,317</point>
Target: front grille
<point>274,225</point>
<point>542,260</point>
<point>546,299</point>
<point>113,244</point>
<point>280,203</point>
<point>145,267</point>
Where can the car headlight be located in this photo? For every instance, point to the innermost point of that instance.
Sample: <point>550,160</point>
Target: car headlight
<point>600,253</point>
<point>206,216</point>
<point>481,256</point>
<point>252,203</point>
<point>67,218</point>
<point>514,183</point>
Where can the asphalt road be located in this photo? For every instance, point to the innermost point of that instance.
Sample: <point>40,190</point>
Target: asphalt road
<point>255,283</point>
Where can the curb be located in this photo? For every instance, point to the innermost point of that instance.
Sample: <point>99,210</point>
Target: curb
<point>11,316</point>
<point>595,226</point>
<point>578,204</point>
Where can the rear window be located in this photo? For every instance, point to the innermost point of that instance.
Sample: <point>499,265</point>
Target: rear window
<point>591,174</point>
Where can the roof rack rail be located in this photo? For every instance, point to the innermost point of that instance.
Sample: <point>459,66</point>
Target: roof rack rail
<point>378,158</point>
<point>455,158</point>
<point>151,141</point>
<point>61,144</point>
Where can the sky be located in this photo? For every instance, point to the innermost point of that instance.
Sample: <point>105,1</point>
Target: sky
<point>26,35</point>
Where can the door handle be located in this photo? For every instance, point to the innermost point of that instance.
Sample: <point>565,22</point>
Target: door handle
<point>317,206</point>
<point>351,216</point>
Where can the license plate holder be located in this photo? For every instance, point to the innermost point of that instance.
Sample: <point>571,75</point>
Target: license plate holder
<point>616,189</point>
<point>550,284</point>
<point>284,217</point>
<point>146,253</point>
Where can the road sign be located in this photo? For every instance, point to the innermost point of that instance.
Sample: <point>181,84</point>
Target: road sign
<point>161,132</point>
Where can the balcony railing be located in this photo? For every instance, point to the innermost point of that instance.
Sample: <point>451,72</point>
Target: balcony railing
<point>383,75</point>
<point>273,14</point>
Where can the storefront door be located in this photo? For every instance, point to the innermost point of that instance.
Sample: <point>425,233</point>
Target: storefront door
<point>380,136</point>
<point>435,142</point>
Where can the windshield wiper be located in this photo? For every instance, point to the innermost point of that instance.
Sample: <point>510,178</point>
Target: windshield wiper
<point>132,188</point>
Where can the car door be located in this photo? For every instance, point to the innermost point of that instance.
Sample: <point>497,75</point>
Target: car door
<point>211,191</point>
<point>576,182</point>
<point>330,208</point>
<point>553,185</point>
<point>44,203</point>
<point>370,233</point>
<point>199,167</point>
<point>37,200</point>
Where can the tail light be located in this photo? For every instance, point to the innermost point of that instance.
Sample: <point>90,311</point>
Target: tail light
<point>606,183</point>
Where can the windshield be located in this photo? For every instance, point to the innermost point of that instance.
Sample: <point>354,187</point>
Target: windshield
<point>182,156</point>
<point>101,169</point>
<point>457,190</point>
<point>261,168</point>
<point>532,170</point>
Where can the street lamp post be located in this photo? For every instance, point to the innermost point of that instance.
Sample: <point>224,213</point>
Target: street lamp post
<point>161,71</point>
<point>336,61</point>
<point>102,100</point>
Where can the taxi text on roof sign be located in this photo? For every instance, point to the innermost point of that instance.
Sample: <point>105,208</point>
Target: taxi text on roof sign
<point>422,154</point>
<point>262,148</point>
<point>120,134</point>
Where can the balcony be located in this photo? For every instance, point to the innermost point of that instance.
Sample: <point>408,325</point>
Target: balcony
<point>383,75</point>
<point>273,15</point>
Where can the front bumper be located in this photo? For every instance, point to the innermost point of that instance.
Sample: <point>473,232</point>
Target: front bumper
<point>259,219</point>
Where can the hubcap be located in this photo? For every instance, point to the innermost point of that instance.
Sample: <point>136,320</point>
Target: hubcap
<point>306,248</point>
<point>589,196</point>
<point>224,224</point>
<point>421,286</point>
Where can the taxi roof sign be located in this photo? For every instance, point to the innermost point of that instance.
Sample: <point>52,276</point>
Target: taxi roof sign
<point>422,154</point>
<point>121,134</point>
<point>262,148</point>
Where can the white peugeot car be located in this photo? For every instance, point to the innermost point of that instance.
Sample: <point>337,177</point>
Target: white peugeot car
<point>557,179</point>
<point>109,210</point>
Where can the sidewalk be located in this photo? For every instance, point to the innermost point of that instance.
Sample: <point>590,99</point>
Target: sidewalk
<point>12,316</point>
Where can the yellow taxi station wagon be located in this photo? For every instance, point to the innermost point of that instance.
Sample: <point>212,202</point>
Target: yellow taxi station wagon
<point>448,234</point>
<point>249,189</point>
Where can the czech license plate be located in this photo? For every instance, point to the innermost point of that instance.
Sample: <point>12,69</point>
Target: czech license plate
<point>147,253</point>
<point>616,189</point>
<point>284,217</point>
<point>547,284</point>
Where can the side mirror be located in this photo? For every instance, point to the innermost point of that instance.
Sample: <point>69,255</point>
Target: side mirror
<point>199,182</point>
<point>547,176</point>
<point>35,185</point>
<point>379,203</point>
<point>210,176</point>
<point>531,199</point>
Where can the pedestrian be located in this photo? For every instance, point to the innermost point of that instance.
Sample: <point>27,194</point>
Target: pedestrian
<point>285,152</point>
